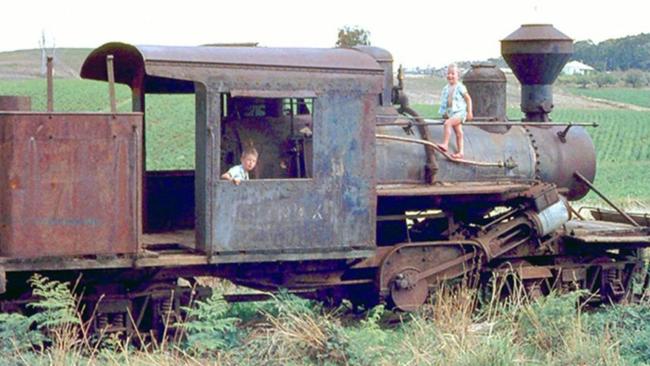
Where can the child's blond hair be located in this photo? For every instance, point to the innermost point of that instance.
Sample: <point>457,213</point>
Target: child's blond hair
<point>249,151</point>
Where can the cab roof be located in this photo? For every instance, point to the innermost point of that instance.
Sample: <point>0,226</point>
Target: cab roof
<point>133,64</point>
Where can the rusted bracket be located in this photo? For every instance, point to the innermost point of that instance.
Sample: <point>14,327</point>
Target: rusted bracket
<point>408,129</point>
<point>562,134</point>
<point>591,186</point>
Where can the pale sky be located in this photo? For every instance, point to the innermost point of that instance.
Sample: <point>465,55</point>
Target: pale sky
<point>417,33</point>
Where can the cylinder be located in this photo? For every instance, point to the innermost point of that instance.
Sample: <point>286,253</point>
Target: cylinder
<point>551,218</point>
<point>15,103</point>
<point>486,84</point>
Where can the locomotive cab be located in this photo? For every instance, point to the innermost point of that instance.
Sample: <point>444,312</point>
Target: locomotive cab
<point>310,113</point>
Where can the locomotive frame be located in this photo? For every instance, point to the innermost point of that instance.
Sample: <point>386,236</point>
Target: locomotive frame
<point>348,203</point>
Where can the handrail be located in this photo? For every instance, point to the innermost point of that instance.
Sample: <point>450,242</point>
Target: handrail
<point>498,164</point>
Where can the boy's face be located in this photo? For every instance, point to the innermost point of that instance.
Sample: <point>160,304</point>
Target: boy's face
<point>452,75</point>
<point>248,162</point>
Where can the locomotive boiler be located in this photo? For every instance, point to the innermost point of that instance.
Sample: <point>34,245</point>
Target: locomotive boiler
<point>351,197</point>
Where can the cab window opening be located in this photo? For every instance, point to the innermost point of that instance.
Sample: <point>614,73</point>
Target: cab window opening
<point>279,129</point>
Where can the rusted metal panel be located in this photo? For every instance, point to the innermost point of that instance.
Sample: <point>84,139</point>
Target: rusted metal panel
<point>613,216</point>
<point>70,184</point>
<point>606,233</point>
<point>15,103</point>
<point>333,211</point>
<point>330,213</point>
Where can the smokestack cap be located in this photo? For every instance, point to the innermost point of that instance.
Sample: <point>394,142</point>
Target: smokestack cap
<point>536,53</point>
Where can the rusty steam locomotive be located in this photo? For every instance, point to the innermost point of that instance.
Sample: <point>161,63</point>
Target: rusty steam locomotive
<point>351,197</point>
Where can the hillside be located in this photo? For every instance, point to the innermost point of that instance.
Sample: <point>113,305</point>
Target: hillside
<point>26,64</point>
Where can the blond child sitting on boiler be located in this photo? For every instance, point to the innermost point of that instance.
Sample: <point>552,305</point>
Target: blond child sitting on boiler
<point>455,108</point>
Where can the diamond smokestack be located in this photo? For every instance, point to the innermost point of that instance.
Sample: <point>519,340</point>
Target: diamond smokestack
<point>536,53</point>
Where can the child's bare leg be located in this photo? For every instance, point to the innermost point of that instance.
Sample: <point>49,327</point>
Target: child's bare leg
<point>458,128</point>
<point>446,135</point>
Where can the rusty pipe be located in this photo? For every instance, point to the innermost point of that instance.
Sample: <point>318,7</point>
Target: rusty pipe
<point>591,186</point>
<point>50,84</point>
<point>111,83</point>
<point>431,165</point>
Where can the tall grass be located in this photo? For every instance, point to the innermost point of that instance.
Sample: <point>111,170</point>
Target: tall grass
<point>458,326</point>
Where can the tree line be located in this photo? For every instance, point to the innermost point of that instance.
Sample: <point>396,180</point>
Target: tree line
<point>631,52</point>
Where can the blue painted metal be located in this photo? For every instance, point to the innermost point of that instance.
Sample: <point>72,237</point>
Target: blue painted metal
<point>331,212</point>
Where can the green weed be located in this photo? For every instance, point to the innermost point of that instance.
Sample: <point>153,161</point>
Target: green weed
<point>208,328</point>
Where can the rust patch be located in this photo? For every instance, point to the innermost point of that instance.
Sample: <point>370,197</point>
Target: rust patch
<point>74,184</point>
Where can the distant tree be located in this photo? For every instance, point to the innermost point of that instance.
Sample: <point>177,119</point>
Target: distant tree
<point>635,78</point>
<point>350,36</point>
<point>604,78</point>
<point>588,52</point>
<point>582,80</point>
<point>631,52</point>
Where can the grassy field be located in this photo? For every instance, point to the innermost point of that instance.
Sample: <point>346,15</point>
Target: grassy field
<point>635,96</point>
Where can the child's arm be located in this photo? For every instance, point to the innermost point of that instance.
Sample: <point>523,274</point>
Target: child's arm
<point>468,100</point>
<point>227,176</point>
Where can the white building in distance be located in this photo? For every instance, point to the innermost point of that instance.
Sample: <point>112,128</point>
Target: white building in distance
<point>577,68</point>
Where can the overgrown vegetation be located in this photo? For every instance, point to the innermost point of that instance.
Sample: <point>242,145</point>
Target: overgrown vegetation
<point>634,78</point>
<point>458,327</point>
